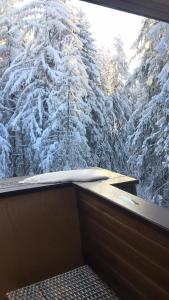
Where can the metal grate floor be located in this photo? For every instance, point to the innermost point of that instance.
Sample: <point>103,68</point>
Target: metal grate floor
<point>80,283</point>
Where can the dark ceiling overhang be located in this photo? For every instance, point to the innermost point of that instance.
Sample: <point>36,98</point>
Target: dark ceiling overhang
<point>157,9</point>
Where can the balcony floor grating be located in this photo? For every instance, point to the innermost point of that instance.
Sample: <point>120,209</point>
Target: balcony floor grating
<point>80,283</point>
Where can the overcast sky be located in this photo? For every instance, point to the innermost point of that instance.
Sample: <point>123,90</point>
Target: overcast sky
<point>108,23</point>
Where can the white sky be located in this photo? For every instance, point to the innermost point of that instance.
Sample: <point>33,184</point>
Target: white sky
<point>108,23</point>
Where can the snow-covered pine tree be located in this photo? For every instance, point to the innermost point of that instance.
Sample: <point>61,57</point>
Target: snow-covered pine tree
<point>118,112</point>
<point>148,144</point>
<point>95,99</point>
<point>118,109</point>
<point>5,149</point>
<point>104,59</point>
<point>8,41</point>
<point>150,49</point>
<point>32,78</point>
<point>113,67</point>
<point>119,65</point>
<point>65,135</point>
<point>149,150</point>
<point>116,104</point>
<point>48,79</point>
<point>4,35</point>
<point>6,46</point>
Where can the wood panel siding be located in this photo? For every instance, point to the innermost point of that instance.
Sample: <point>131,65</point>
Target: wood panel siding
<point>39,237</point>
<point>157,9</point>
<point>130,253</point>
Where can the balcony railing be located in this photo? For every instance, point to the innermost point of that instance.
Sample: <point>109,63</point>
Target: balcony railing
<point>48,229</point>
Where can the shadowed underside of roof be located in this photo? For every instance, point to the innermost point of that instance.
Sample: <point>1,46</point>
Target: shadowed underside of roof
<point>157,9</point>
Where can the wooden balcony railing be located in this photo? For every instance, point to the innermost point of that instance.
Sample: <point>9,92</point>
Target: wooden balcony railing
<point>49,229</point>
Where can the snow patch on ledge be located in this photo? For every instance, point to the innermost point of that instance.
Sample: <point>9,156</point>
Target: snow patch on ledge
<point>81,175</point>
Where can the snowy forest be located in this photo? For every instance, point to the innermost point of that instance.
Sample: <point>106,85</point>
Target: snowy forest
<point>64,104</point>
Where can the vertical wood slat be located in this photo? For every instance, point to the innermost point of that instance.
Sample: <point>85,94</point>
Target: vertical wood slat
<point>142,269</point>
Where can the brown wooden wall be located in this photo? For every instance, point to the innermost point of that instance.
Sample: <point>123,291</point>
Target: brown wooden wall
<point>131,254</point>
<point>39,237</point>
